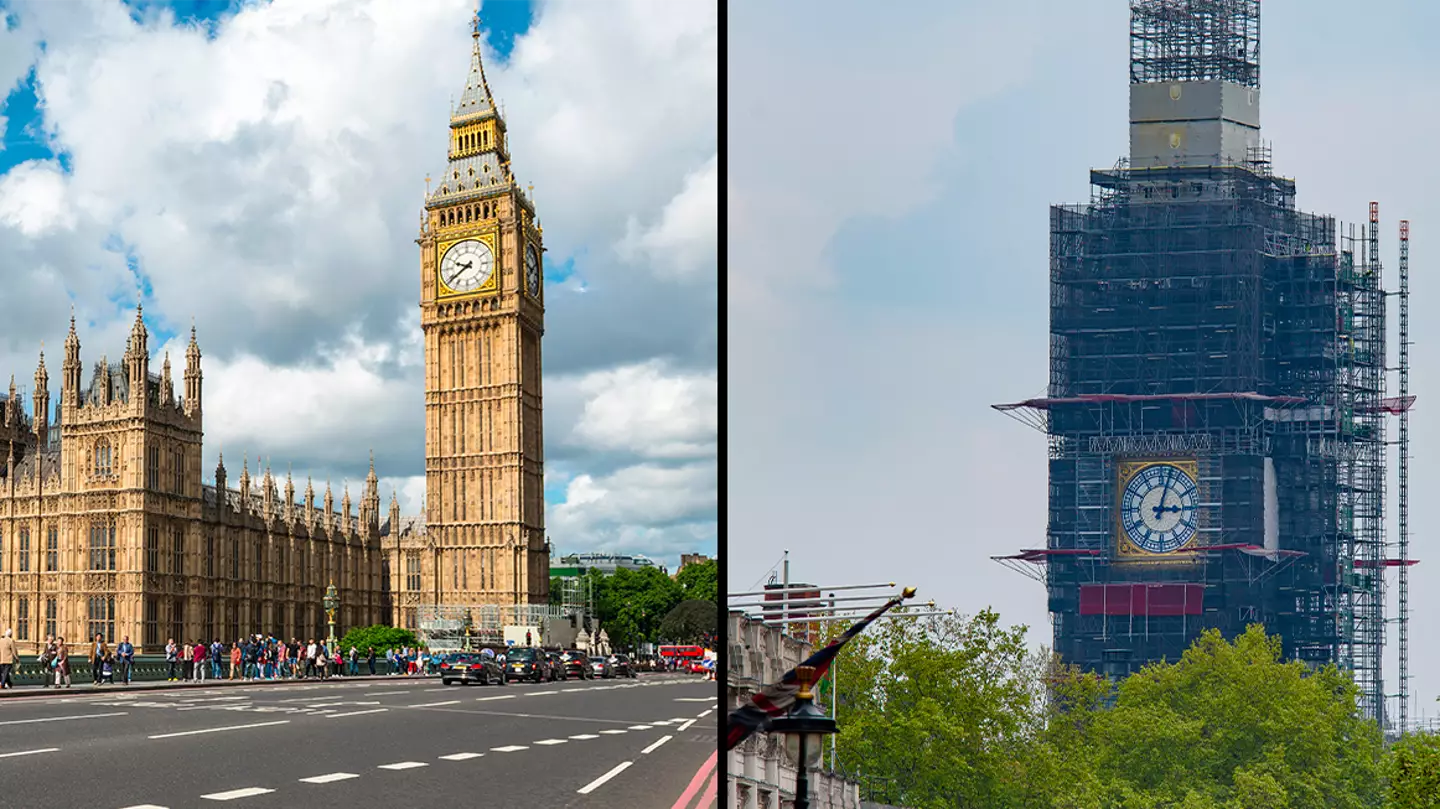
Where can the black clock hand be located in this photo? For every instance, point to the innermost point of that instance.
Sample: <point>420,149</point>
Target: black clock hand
<point>459,269</point>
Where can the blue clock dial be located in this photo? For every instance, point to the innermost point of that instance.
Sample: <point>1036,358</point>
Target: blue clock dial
<point>1158,508</point>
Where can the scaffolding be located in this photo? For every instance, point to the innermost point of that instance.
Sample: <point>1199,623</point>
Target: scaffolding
<point>453,628</point>
<point>1198,40</point>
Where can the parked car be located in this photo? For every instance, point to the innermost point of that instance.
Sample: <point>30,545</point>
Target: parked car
<point>577,664</point>
<point>469,667</point>
<point>602,668</point>
<point>557,666</point>
<point>526,663</point>
<point>622,666</point>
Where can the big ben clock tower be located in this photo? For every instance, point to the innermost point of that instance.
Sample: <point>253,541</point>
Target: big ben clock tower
<point>482,312</point>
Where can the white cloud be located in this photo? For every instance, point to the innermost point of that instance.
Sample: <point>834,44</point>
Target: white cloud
<point>644,410</point>
<point>669,507</point>
<point>268,182</point>
<point>683,242</point>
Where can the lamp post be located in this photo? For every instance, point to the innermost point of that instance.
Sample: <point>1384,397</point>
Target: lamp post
<point>469,625</point>
<point>804,726</point>
<point>332,603</point>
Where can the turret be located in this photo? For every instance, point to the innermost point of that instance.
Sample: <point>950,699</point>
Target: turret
<point>70,368</point>
<point>370,503</point>
<point>394,516</point>
<point>289,496</point>
<point>267,492</point>
<point>137,360</point>
<point>41,398</point>
<point>329,519</point>
<point>245,483</point>
<point>310,503</point>
<point>345,510</point>
<point>12,406</point>
<point>192,375</point>
<point>167,387</point>
<point>220,478</point>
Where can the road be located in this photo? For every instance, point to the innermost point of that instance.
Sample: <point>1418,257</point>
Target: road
<point>642,743</point>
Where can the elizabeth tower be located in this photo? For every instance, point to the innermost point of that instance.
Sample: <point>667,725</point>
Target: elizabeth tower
<point>482,311</point>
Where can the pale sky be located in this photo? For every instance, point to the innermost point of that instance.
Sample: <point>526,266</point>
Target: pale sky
<point>889,177</point>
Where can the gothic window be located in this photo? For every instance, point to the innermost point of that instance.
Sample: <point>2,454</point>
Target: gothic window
<point>412,570</point>
<point>152,468</point>
<point>259,564</point>
<point>103,467</point>
<point>177,471</point>
<point>23,562</point>
<point>151,637</point>
<point>52,549</point>
<point>102,618</point>
<point>177,620</point>
<point>102,547</point>
<point>51,611</point>
<point>234,558</point>
<point>152,550</point>
<point>211,629</point>
<point>22,619</point>
<point>177,552</point>
<point>210,555</point>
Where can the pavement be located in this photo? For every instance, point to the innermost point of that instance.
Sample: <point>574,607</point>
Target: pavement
<point>646,742</point>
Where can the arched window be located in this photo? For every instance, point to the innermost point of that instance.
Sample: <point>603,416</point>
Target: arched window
<point>103,465</point>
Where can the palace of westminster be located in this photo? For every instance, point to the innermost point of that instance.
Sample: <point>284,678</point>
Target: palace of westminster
<point>106,526</point>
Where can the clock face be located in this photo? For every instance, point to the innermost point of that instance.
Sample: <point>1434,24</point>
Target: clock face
<point>467,265</point>
<point>1158,508</point>
<point>532,270</point>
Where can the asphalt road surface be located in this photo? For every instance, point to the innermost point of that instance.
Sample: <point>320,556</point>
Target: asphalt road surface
<point>396,741</point>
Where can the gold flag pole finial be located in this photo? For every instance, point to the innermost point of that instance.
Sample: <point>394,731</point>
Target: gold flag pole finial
<point>908,592</point>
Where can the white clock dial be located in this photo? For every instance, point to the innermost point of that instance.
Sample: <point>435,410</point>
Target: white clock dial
<point>467,265</point>
<point>532,270</point>
<point>1158,508</point>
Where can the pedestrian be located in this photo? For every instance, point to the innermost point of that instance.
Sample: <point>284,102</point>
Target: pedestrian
<point>47,656</point>
<point>61,663</point>
<point>98,650</point>
<point>200,651</point>
<point>107,667</point>
<point>187,660</point>
<point>172,660</point>
<point>127,659</point>
<point>354,661</point>
<point>235,660</point>
<point>370,659</point>
<point>217,659</point>
<point>8,658</point>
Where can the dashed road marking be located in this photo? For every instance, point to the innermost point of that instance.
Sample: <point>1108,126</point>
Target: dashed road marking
<point>542,693</point>
<point>653,747</point>
<point>218,730</point>
<point>403,765</point>
<point>640,727</point>
<point>330,778</point>
<point>356,713</point>
<point>614,732</point>
<point>63,718</point>
<point>247,792</point>
<point>599,782</point>
<point>510,748</point>
<point>488,699</point>
<point>552,741</point>
<point>687,724</point>
<point>706,713</point>
<point>585,736</point>
<point>461,756</point>
<point>29,752</point>
<point>435,704</point>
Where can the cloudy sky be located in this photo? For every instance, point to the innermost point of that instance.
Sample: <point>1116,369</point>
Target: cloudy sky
<point>260,167</point>
<point>887,190</point>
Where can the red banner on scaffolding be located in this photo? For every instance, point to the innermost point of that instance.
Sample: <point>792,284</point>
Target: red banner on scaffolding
<point>1142,599</point>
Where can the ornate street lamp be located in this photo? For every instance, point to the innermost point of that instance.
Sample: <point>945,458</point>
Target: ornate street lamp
<point>805,727</point>
<point>469,625</point>
<point>332,603</point>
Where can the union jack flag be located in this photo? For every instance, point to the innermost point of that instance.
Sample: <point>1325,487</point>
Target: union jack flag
<point>775,699</point>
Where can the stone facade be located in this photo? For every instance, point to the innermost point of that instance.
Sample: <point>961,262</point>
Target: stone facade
<point>106,526</point>
<point>482,539</point>
<point>760,772</point>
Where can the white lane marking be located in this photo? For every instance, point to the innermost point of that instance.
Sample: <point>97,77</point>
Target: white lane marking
<point>313,698</point>
<point>218,730</point>
<point>706,713</point>
<point>403,765</point>
<point>330,778</point>
<point>679,719</point>
<point>585,736</point>
<point>651,748</point>
<point>599,782</point>
<point>63,718</point>
<point>488,699</point>
<point>435,704</point>
<point>686,725</point>
<point>444,688</point>
<point>542,693</point>
<point>462,756</point>
<point>356,713</point>
<point>387,693</point>
<point>640,727</point>
<point>614,732</point>
<point>247,792</point>
<point>552,741</point>
<point>29,752</point>
<point>664,722</point>
<point>147,806</point>
<point>510,748</point>
<point>693,699</point>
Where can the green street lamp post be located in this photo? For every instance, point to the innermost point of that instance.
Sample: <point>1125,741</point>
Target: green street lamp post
<point>332,603</point>
<point>469,625</point>
<point>805,727</point>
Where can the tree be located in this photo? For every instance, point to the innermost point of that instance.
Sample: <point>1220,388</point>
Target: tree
<point>380,636</point>
<point>699,582</point>
<point>1413,772</point>
<point>690,622</point>
<point>630,603</point>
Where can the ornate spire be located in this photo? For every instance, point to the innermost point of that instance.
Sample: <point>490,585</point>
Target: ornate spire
<point>40,372</point>
<point>371,477</point>
<point>476,100</point>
